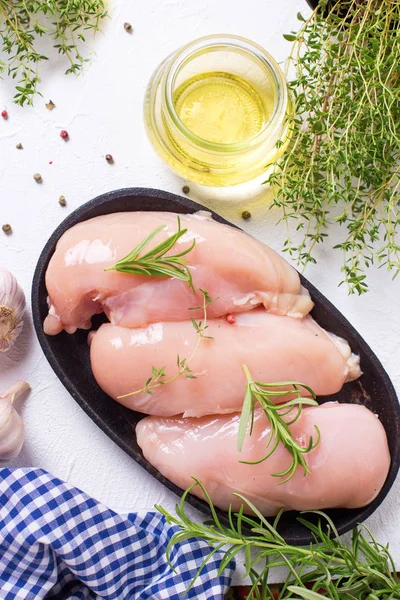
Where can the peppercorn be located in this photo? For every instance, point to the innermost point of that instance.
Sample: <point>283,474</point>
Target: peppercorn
<point>7,228</point>
<point>246,215</point>
<point>109,158</point>
<point>62,201</point>
<point>128,27</point>
<point>50,105</point>
<point>4,114</point>
<point>64,134</point>
<point>19,146</point>
<point>230,318</point>
<point>37,177</point>
<point>186,189</point>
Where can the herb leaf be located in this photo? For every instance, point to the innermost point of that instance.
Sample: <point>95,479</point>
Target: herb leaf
<point>244,417</point>
<point>364,569</point>
<point>343,162</point>
<point>65,22</point>
<point>158,376</point>
<point>261,393</point>
<point>155,263</point>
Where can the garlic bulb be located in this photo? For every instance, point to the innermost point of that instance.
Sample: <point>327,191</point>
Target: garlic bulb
<point>12,308</point>
<point>11,425</point>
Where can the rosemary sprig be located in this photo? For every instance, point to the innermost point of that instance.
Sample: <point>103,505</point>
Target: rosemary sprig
<point>343,163</point>
<point>155,263</point>
<point>158,376</point>
<point>21,26</point>
<point>261,393</point>
<point>364,570</point>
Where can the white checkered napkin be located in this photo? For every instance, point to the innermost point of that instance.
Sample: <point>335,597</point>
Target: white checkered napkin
<point>58,543</point>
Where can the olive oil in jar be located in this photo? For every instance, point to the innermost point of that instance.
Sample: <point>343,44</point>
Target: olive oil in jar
<point>221,108</point>
<point>215,111</point>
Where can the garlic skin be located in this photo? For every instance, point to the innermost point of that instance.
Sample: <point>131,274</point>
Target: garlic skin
<point>12,308</point>
<point>11,425</point>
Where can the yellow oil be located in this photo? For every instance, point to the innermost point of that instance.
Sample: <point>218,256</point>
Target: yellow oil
<point>221,108</point>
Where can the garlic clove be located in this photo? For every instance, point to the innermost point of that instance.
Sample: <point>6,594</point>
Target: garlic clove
<point>15,391</point>
<point>11,425</point>
<point>11,432</point>
<point>12,308</point>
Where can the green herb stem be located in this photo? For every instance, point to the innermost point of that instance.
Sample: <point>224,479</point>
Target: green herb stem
<point>66,22</point>
<point>278,416</point>
<point>158,376</point>
<point>326,568</point>
<point>343,163</point>
<point>155,263</point>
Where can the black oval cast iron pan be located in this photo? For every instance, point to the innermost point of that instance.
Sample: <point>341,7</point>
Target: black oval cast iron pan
<point>69,357</point>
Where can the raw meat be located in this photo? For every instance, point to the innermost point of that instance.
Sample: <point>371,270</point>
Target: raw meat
<point>233,266</point>
<point>274,349</point>
<point>348,467</point>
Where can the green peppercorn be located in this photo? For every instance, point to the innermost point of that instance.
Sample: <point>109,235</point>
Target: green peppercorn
<point>186,189</point>
<point>246,215</point>
<point>37,177</point>
<point>62,201</point>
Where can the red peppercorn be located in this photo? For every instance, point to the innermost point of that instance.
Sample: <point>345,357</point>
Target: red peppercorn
<point>64,134</point>
<point>231,319</point>
<point>4,114</point>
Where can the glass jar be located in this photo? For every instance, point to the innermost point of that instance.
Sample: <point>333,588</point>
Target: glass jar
<point>240,81</point>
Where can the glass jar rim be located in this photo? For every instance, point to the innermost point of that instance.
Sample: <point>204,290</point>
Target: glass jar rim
<point>184,54</point>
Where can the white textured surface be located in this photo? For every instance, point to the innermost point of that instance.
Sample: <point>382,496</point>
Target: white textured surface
<point>102,110</point>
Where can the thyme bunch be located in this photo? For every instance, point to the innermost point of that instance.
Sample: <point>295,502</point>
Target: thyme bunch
<point>326,568</point>
<point>343,163</point>
<point>22,22</point>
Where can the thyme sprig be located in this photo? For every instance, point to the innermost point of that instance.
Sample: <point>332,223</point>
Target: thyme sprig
<point>343,163</point>
<point>158,377</point>
<point>277,414</point>
<point>363,570</point>
<point>155,263</point>
<point>21,24</point>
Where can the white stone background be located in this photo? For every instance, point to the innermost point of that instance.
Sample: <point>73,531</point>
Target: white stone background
<point>102,110</point>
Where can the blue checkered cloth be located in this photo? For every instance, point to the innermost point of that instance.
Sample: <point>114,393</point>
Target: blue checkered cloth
<point>58,543</point>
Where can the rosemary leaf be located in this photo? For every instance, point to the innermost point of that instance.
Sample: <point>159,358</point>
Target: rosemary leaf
<point>364,570</point>
<point>244,418</point>
<point>261,394</point>
<point>155,263</point>
<point>136,251</point>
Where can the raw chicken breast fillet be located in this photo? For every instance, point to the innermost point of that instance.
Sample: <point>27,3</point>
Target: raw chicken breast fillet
<point>274,349</point>
<point>231,265</point>
<point>348,467</point>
